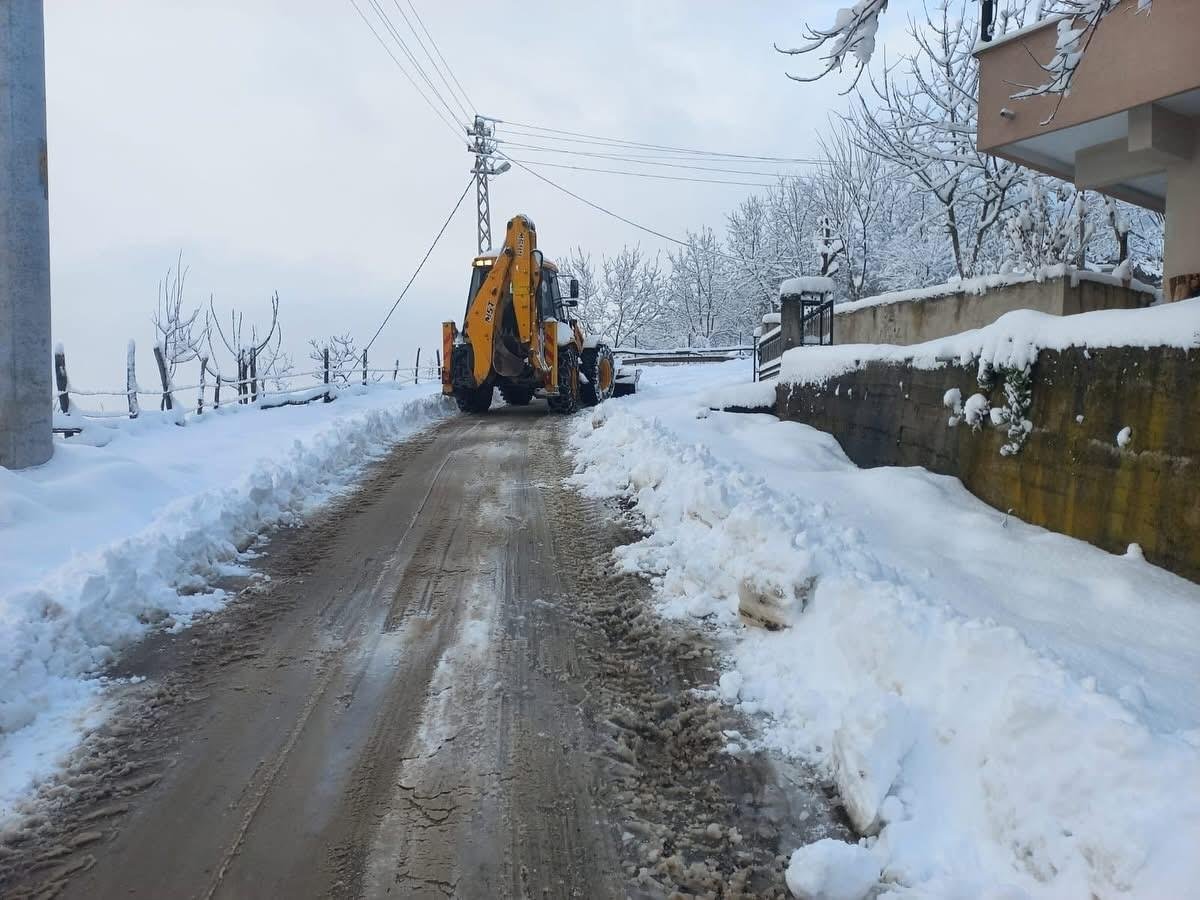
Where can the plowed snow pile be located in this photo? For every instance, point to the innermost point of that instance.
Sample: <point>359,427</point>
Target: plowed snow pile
<point>105,542</point>
<point>1006,712</point>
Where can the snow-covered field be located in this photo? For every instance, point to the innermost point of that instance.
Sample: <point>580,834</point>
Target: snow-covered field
<point>106,542</point>
<point>1010,712</point>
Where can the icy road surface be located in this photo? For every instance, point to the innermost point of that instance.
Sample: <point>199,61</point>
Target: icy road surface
<point>442,690</point>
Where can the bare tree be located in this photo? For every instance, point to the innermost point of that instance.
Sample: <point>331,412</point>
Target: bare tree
<point>852,193</point>
<point>345,357</point>
<point>1050,228</point>
<point>633,293</point>
<point>625,299</point>
<point>925,121</point>
<point>256,355</point>
<point>181,336</point>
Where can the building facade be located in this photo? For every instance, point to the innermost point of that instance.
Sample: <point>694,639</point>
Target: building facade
<point>1128,126</point>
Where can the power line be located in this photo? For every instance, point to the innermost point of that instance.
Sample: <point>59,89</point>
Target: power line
<point>583,138</point>
<point>449,90</point>
<point>462,90</point>
<point>647,174</point>
<point>416,64</point>
<point>437,112</point>
<point>421,265</point>
<point>618,216</point>
<point>642,161</point>
<point>651,159</point>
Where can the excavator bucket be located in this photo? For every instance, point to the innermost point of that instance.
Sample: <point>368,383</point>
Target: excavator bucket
<point>449,333</point>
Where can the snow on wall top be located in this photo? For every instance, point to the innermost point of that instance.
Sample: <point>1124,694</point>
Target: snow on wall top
<point>985,283</point>
<point>1012,341</point>
<point>808,284</point>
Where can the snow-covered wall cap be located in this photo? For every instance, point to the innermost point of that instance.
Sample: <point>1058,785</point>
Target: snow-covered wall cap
<point>808,284</point>
<point>984,283</point>
<point>1011,342</point>
<point>1017,34</point>
<point>771,318</point>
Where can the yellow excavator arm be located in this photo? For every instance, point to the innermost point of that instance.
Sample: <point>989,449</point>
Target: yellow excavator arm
<point>517,268</point>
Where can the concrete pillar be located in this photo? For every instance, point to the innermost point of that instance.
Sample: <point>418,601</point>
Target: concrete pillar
<point>1182,275</point>
<point>25,389</point>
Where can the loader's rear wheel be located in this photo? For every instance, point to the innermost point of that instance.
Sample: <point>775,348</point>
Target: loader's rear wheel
<point>474,400</point>
<point>514,395</point>
<point>600,368</point>
<point>567,399</point>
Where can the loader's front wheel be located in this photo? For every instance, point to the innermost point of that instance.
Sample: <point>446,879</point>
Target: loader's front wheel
<point>567,399</point>
<point>599,366</point>
<point>474,400</point>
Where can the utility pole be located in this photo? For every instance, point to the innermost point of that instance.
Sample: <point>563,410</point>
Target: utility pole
<point>25,405</point>
<point>483,147</point>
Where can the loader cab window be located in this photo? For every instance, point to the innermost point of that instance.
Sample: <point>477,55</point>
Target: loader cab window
<point>478,275</point>
<point>548,295</point>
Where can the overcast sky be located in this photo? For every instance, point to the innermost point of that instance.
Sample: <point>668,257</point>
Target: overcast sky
<point>277,145</point>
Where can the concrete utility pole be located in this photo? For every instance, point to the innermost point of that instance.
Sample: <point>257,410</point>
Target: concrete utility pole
<point>483,147</point>
<point>25,390</point>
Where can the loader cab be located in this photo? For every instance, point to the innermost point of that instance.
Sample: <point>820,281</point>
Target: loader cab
<point>551,303</point>
<point>480,269</point>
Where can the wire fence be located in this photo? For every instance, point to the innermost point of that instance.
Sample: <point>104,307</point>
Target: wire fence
<point>180,402</point>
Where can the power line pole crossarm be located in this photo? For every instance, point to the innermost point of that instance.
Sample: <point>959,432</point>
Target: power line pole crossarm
<point>25,389</point>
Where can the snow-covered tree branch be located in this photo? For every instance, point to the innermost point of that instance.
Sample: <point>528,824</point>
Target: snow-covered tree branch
<point>852,36</point>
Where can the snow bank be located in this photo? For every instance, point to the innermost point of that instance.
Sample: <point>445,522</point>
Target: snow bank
<point>103,543</point>
<point>752,395</point>
<point>1012,341</point>
<point>1002,709</point>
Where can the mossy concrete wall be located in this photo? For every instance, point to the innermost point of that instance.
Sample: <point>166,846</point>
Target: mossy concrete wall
<point>908,322</point>
<point>1070,475</point>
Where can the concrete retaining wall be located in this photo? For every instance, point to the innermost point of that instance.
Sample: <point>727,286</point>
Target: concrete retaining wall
<point>915,321</point>
<point>1070,476</point>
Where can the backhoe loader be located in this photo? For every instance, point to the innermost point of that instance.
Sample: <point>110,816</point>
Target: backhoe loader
<point>519,336</point>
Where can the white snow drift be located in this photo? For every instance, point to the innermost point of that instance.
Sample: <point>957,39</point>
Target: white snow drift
<point>1007,712</point>
<point>103,543</point>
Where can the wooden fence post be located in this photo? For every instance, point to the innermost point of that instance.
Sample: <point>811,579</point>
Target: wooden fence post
<point>417,368</point>
<point>438,357</point>
<point>253,374</point>
<point>325,362</point>
<point>131,386</point>
<point>241,376</point>
<point>168,402</point>
<point>60,379</point>
<point>364,367</point>
<point>217,390</point>
<point>200,397</point>
<point>396,371</point>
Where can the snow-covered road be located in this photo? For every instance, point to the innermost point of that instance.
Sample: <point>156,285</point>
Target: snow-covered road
<point>1010,709</point>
